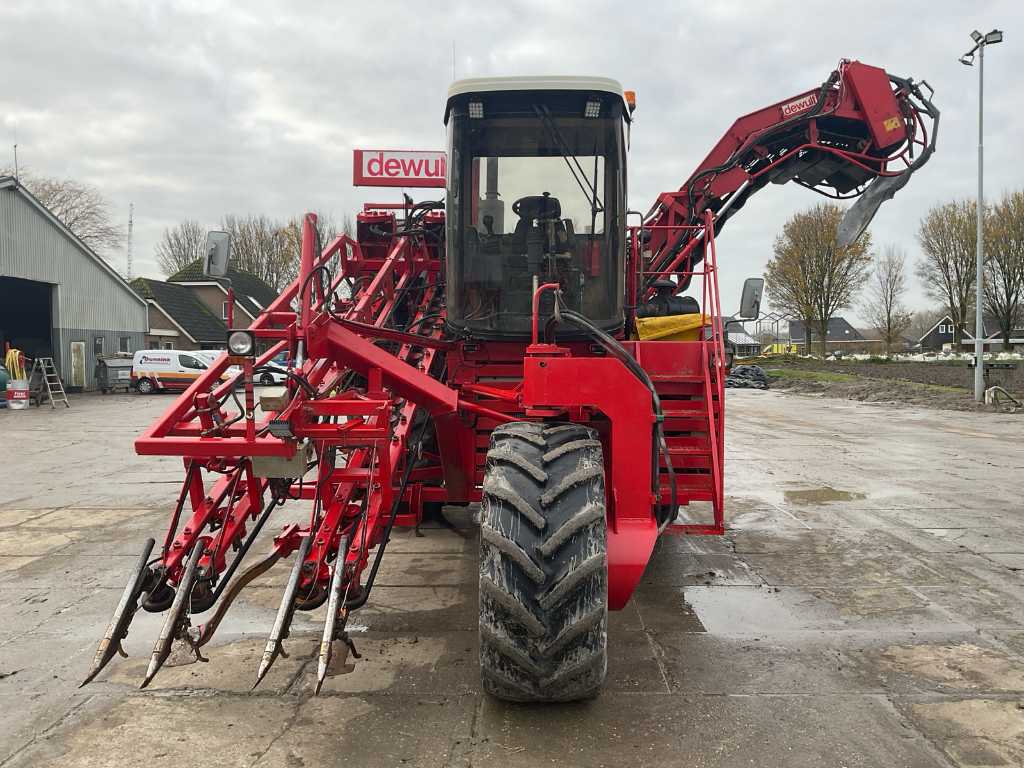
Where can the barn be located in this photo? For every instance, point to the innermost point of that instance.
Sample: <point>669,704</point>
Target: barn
<point>57,297</point>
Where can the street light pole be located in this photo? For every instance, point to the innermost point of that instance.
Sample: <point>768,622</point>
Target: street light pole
<point>980,41</point>
<point>979,272</point>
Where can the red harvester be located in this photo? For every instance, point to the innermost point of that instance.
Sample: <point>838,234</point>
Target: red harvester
<point>550,361</point>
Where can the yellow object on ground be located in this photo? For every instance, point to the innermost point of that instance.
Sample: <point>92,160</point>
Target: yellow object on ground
<point>779,349</point>
<point>672,328</point>
<point>13,364</point>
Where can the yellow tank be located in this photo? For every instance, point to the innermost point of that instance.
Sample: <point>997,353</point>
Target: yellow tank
<point>672,328</point>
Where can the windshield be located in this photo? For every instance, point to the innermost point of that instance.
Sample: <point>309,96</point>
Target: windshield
<point>533,198</point>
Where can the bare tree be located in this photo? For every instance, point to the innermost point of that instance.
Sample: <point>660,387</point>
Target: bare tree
<point>810,276</point>
<point>81,207</point>
<point>181,245</point>
<point>923,320</point>
<point>883,306</point>
<point>1004,268</point>
<point>947,235</point>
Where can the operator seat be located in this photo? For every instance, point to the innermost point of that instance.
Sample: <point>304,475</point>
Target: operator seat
<point>534,207</point>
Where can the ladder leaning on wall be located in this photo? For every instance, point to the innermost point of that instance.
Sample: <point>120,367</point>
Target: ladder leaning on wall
<point>45,383</point>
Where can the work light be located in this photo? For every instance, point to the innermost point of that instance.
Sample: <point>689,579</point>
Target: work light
<point>476,109</point>
<point>593,108</point>
<point>241,343</point>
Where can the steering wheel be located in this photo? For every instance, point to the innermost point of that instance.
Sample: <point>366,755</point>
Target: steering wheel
<point>537,207</point>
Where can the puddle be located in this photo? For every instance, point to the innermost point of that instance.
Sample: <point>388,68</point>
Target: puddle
<point>823,495</point>
<point>741,610</point>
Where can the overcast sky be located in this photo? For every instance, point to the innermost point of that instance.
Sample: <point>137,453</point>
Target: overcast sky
<point>197,108</point>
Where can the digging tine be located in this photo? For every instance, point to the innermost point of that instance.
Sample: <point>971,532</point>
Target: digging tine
<point>117,630</point>
<point>330,623</point>
<point>179,607</point>
<point>284,613</point>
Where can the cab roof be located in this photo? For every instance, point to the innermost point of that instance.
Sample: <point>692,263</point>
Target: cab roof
<point>535,83</point>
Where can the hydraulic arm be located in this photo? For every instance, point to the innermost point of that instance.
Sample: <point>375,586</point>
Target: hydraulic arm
<point>863,132</point>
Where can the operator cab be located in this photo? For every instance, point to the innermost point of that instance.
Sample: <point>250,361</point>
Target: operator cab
<point>536,194</point>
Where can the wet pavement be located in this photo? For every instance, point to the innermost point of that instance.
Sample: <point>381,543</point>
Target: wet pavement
<point>866,608</point>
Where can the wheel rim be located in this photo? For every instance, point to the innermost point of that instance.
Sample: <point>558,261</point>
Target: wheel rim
<point>266,379</point>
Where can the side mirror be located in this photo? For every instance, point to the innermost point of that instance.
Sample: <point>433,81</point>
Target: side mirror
<point>750,303</point>
<point>218,252</point>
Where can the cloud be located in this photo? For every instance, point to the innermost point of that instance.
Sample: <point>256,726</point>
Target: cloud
<point>197,109</point>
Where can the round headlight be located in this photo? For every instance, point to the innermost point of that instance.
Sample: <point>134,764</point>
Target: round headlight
<point>241,343</point>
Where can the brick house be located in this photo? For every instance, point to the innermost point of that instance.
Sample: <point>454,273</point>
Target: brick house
<point>189,311</point>
<point>252,295</point>
<point>178,319</point>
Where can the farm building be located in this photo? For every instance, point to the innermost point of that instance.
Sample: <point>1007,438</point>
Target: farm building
<point>57,297</point>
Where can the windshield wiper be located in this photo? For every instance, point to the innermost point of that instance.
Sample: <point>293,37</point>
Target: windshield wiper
<point>589,189</point>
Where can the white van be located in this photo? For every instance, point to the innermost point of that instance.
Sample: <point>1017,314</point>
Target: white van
<point>171,370</point>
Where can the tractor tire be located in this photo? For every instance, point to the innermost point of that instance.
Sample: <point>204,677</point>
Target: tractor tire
<point>543,564</point>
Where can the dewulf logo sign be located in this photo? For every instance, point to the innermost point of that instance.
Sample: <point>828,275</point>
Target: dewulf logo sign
<point>398,168</point>
<point>797,106</point>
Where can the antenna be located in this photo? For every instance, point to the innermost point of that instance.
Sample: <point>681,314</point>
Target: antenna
<point>131,226</point>
<point>16,178</point>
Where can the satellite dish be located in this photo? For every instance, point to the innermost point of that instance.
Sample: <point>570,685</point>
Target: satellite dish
<point>218,253</point>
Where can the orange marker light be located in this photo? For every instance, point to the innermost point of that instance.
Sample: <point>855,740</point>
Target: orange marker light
<point>630,97</point>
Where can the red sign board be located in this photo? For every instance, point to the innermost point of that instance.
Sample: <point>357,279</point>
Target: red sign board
<point>398,168</point>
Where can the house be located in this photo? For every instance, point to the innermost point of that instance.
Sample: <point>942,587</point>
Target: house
<point>178,319</point>
<point>252,295</point>
<point>58,298</point>
<point>841,334</point>
<point>940,335</point>
<point>745,344</point>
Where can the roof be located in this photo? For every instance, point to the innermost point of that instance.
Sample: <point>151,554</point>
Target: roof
<point>254,294</point>
<point>184,308</point>
<point>11,183</point>
<point>839,329</point>
<point>535,83</point>
<point>743,339</point>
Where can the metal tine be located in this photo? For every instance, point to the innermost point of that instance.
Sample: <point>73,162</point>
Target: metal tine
<point>117,630</point>
<point>284,613</point>
<point>162,649</point>
<point>330,623</point>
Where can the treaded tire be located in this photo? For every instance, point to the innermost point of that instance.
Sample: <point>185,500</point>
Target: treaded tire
<point>543,564</point>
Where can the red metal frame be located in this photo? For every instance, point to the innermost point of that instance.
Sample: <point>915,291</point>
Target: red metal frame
<point>363,385</point>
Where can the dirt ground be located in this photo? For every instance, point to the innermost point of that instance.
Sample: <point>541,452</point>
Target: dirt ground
<point>866,608</point>
<point>947,386</point>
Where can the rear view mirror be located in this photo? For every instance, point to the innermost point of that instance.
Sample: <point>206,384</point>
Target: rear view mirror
<point>218,252</point>
<point>750,303</point>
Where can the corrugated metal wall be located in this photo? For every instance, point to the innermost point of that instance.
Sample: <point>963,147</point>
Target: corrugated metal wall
<point>88,296</point>
<point>88,301</point>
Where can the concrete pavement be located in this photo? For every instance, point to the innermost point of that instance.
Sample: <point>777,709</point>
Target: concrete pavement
<point>865,609</point>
